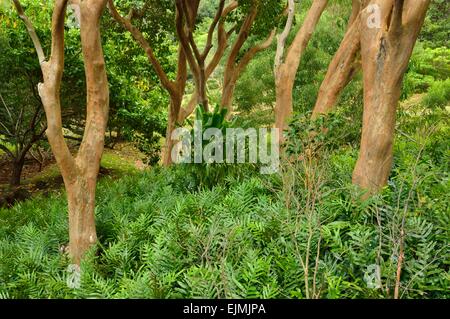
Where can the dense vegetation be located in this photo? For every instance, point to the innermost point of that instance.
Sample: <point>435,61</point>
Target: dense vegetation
<point>226,231</point>
<point>249,235</point>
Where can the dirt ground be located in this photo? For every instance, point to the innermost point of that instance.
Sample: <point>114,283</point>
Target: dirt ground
<point>30,169</point>
<point>10,196</point>
<point>46,179</point>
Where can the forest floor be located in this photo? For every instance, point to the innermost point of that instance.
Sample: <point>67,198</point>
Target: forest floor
<point>122,160</point>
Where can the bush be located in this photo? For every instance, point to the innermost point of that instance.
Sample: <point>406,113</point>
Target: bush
<point>427,65</point>
<point>207,174</point>
<point>438,95</point>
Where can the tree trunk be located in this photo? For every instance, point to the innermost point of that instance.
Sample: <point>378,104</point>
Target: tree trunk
<point>81,192</point>
<point>79,173</point>
<point>186,111</point>
<point>228,93</point>
<point>202,88</point>
<point>385,54</point>
<point>342,69</point>
<point>16,173</point>
<point>284,83</point>
<point>231,73</point>
<point>173,114</point>
<point>286,71</point>
<point>81,202</point>
<point>19,161</point>
<point>234,69</point>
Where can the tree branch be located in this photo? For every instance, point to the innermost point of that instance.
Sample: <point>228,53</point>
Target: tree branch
<point>6,150</point>
<point>415,10</point>
<point>139,37</point>
<point>249,55</point>
<point>212,28</point>
<point>397,15</point>
<point>49,91</point>
<point>242,36</point>
<point>303,36</point>
<point>281,41</point>
<point>31,31</point>
<point>222,44</point>
<point>184,39</point>
<point>356,8</point>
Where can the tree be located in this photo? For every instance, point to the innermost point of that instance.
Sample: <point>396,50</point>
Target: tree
<point>21,128</point>
<point>383,33</point>
<point>22,123</point>
<point>253,22</point>
<point>188,53</point>
<point>175,88</point>
<point>138,103</point>
<point>186,18</point>
<point>259,20</point>
<point>187,12</point>
<point>21,117</point>
<point>79,172</point>
<point>223,37</point>
<point>344,66</point>
<point>385,53</point>
<point>286,65</point>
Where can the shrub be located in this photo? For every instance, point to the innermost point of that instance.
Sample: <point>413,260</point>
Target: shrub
<point>427,65</point>
<point>438,95</point>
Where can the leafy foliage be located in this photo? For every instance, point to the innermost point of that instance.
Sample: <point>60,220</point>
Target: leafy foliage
<point>208,174</point>
<point>427,65</point>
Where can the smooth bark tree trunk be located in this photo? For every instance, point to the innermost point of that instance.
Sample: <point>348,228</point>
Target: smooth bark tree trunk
<point>284,85</point>
<point>81,202</point>
<point>343,67</point>
<point>234,69</point>
<point>385,54</point>
<point>176,92</point>
<point>81,192</point>
<point>230,75</point>
<point>286,71</point>
<point>202,90</point>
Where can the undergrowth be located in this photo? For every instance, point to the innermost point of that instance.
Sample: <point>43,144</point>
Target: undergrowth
<point>303,233</point>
